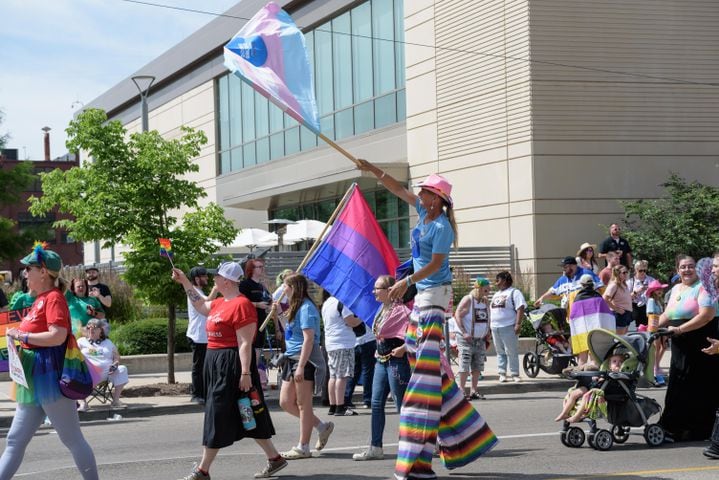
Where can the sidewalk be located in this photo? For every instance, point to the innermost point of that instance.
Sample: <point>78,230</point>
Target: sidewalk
<point>164,405</point>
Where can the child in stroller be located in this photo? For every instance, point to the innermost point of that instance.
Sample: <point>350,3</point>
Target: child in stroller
<point>593,403</point>
<point>552,352</point>
<point>555,338</point>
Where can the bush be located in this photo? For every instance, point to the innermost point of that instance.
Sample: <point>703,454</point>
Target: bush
<point>125,307</point>
<point>147,336</point>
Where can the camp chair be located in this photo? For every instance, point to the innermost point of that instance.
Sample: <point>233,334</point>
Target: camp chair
<point>102,392</point>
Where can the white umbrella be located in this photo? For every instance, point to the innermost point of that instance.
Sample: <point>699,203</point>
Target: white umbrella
<point>304,230</point>
<point>249,237</point>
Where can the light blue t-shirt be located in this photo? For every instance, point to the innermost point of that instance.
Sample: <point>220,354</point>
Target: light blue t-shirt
<point>307,317</point>
<point>436,236</point>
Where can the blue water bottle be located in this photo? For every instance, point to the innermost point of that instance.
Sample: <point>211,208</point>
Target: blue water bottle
<point>245,406</point>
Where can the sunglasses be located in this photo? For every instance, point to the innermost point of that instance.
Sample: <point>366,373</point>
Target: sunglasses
<point>641,271</point>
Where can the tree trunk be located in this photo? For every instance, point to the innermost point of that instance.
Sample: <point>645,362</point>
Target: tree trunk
<point>171,327</point>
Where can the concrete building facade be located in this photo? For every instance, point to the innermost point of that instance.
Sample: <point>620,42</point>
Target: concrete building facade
<point>543,113</point>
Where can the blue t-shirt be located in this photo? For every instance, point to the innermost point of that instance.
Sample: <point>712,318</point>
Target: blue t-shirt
<point>436,236</point>
<point>307,317</point>
<point>565,285</point>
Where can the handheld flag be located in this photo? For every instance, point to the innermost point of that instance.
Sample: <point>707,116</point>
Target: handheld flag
<point>166,249</point>
<point>269,54</point>
<point>352,256</point>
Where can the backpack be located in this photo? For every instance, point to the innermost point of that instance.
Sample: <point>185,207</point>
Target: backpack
<point>360,329</point>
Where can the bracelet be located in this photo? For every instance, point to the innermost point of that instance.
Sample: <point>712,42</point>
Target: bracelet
<point>27,335</point>
<point>248,373</point>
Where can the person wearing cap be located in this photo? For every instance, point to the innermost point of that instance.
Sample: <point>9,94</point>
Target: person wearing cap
<point>431,240</point>
<point>43,334</point>
<point>473,329</point>
<point>585,257</point>
<point>588,311</point>
<point>655,307</point>
<point>230,369</point>
<point>196,334</point>
<point>507,312</point>
<point>97,289</point>
<point>568,282</point>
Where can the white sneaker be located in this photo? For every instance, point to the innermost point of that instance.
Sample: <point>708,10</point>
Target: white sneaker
<point>372,453</point>
<point>502,378</point>
<point>516,378</point>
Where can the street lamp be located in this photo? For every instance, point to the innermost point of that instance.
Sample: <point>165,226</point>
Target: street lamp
<point>143,83</point>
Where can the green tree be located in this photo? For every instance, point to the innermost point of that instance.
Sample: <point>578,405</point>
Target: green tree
<point>14,181</point>
<point>685,220</point>
<point>129,193</point>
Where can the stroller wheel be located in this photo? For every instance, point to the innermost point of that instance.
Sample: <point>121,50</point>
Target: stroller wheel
<point>620,433</point>
<point>530,363</point>
<point>603,440</point>
<point>654,435</point>
<point>574,437</point>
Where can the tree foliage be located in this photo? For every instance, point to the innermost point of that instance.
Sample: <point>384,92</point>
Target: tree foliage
<point>685,220</point>
<point>130,193</point>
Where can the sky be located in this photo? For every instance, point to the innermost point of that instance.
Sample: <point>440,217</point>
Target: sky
<point>57,55</point>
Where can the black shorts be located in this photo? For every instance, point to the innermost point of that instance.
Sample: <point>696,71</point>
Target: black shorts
<point>623,319</point>
<point>288,371</point>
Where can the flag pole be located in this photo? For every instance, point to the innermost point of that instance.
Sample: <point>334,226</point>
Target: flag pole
<point>338,148</point>
<point>311,251</point>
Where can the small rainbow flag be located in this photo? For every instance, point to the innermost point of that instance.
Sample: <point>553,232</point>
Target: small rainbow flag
<point>165,247</point>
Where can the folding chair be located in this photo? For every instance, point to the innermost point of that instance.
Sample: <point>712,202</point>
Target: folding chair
<point>102,392</point>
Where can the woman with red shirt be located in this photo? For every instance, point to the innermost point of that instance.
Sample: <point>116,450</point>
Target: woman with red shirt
<point>229,369</point>
<point>43,334</point>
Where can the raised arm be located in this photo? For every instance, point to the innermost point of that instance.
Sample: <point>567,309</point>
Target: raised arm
<point>198,300</point>
<point>388,182</point>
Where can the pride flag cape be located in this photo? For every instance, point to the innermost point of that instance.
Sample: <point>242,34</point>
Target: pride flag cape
<point>165,247</point>
<point>352,256</point>
<point>588,314</point>
<point>269,54</point>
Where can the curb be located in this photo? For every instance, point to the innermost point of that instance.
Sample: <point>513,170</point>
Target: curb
<point>184,406</point>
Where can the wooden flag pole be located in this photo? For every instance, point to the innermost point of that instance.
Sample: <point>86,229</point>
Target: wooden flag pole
<point>338,148</point>
<point>311,251</point>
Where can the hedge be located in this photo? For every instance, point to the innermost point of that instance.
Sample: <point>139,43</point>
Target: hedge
<point>147,336</point>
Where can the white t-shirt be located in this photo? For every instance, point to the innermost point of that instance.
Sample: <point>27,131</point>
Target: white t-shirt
<point>100,354</point>
<point>477,316</point>
<point>196,326</point>
<point>504,307</point>
<point>338,334</point>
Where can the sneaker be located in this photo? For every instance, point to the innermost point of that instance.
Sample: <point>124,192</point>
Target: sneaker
<point>367,405</point>
<point>712,451</point>
<point>660,380</point>
<point>502,378</point>
<point>83,407</point>
<point>118,404</point>
<point>324,436</point>
<point>295,453</point>
<point>345,412</point>
<point>196,474</point>
<point>516,379</point>
<point>272,467</point>
<point>332,410</point>
<point>198,400</point>
<point>372,453</point>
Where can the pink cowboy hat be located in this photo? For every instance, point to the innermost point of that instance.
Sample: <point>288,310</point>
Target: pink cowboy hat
<point>438,184</point>
<point>653,286</point>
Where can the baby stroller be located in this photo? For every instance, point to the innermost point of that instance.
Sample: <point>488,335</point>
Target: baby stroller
<point>625,409</point>
<point>547,357</point>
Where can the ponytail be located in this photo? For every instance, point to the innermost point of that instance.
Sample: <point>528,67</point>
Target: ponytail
<point>452,223</point>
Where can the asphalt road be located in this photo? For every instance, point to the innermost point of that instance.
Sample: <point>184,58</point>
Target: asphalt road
<point>165,447</point>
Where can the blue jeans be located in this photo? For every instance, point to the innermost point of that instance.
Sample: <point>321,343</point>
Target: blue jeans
<point>364,369</point>
<point>390,376</point>
<point>507,345</point>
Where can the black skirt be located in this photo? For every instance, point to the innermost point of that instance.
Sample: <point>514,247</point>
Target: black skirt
<point>223,425</point>
<point>692,396</point>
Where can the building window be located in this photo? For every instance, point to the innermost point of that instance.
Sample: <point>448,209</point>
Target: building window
<point>392,214</point>
<point>358,63</point>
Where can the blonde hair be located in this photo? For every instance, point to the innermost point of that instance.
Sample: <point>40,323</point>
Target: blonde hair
<point>616,271</point>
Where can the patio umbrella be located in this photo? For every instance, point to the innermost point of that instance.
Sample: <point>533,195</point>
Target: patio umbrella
<point>304,230</point>
<point>250,238</point>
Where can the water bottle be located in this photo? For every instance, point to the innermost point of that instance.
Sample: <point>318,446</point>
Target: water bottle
<point>256,402</point>
<point>248,418</point>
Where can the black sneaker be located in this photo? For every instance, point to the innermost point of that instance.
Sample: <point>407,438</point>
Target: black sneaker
<point>332,410</point>
<point>345,412</point>
<point>712,451</point>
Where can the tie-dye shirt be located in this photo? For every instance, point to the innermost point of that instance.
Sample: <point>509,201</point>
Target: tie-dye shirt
<point>685,304</point>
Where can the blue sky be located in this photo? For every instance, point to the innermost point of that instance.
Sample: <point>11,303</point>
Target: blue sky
<point>56,52</point>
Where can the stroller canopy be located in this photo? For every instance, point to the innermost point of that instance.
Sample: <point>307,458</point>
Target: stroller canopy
<point>603,343</point>
<point>548,313</point>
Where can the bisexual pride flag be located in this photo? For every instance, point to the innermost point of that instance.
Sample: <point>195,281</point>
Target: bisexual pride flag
<point>269,54</point>
<point>352,256</point>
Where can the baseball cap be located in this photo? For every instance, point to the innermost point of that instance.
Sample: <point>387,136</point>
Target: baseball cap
<point>439,185</point>
<point>568,261</point>
<point>481,281</point>
<point>232,271</point>
<point>586,279</point>
<point>91,267</point>
<point>43,258</point>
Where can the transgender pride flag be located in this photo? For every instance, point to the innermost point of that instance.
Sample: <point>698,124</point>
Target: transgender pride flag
<point>269,53</point>
<point>352,256</point>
